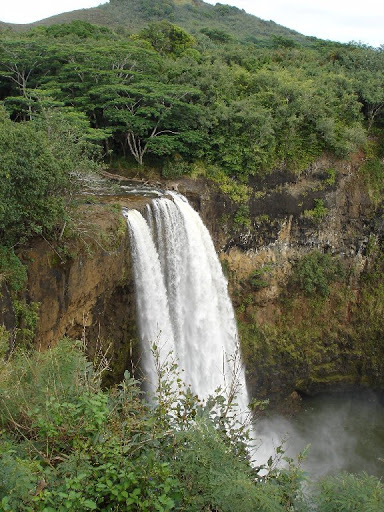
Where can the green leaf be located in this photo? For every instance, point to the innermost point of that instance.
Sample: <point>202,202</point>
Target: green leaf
<point>90,504</point>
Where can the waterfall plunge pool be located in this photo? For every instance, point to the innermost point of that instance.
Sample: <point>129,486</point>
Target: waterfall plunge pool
<point>345,432</point>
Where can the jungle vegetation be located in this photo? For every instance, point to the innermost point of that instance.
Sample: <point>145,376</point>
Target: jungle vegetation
<point>202,103</point>
<point>68,445</point>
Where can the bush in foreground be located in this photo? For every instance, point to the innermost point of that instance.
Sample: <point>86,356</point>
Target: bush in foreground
<point>68,445</point>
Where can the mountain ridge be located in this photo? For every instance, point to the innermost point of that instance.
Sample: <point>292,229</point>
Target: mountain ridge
<point>191,15</point>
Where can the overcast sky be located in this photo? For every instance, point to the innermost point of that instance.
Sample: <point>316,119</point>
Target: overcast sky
<point>339,20</point>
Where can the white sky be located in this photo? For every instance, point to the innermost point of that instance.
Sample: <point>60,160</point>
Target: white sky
<point>339,20</point>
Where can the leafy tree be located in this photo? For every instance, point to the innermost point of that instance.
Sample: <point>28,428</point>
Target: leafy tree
<point>87,67</point>
<point>243,139</point>
<point>20,60</point>
<point>365,66</point>
<point>150,117</point>
<point>217,35</point>
<point>76,29</point>
<point>371,89</point>
<point>256,107</point>
<point>283,42</point>
<point>167,39</point>
<point>21,63</point>
<point>157,8</point>
<point>40,164</point>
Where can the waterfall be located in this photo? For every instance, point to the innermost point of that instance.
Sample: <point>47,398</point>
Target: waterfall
<point>182,299</point>
<point>152,304</point>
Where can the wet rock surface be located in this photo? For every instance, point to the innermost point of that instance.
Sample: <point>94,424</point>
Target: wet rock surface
<point>89,294</point>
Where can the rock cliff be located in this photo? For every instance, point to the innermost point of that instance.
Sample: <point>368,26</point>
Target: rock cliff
<point>83,287</point>
<point>292,340</point>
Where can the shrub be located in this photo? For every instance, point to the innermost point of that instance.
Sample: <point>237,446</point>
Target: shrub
<point>27,316</point>
<point>213,479</point>
<point>18,477</point>
<point>29,380</point>
<point>176,168</point>
<point>238,192</point>
<point>259,278</point>
<point>351,493</point>
<point>241,217</point>
<point>318,212</point>
<point>314,273</point>
<point>372,172</point>
<point>72,446</point>
<point>11,269</point>
<point>68,445</point>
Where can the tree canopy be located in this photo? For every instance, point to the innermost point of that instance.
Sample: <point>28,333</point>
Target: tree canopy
<point>164,94</point>
<point>162,91</point>
<point>41,162</point>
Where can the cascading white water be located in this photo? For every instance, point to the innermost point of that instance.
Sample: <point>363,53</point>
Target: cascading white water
<point>182,297</point>
<point>151,297</point>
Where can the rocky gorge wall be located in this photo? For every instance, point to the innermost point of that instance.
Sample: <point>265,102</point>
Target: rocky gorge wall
<point>292,340</point>
<point>82,288</point>
<point>295,340</point>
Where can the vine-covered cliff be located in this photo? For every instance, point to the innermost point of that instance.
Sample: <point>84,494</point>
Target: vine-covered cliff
<point>303,259</point>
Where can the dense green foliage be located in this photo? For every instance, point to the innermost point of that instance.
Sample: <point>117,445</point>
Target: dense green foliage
<point>241,107</point>
<point>347,493</point>
<point>67,445</point>
<point>40,163</point>
<point>314,272</point>
<point>219,100</point>
<point>167,39</point>
<point>12,269</point>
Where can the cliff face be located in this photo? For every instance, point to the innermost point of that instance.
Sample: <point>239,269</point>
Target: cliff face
<point>291,339</point>
<point>84,288</point>
<point>294,338</point>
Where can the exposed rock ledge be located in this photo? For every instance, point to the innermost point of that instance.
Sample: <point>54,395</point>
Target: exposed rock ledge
<point>88,292</point>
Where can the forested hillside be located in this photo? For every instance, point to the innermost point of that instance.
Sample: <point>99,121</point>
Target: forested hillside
<point>195,104</point>
<point>192,15</point>
<point>166,93</point>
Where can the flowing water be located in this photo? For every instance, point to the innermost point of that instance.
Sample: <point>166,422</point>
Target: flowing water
<point>182,299</point>
<point>184,309</point>
<point>151,296</point>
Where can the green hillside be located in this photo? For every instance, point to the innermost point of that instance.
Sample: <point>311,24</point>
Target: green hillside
<point>192,15</point>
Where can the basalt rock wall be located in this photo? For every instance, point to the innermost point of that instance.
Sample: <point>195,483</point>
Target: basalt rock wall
<point>291,340</point>
<point>83,287</point>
